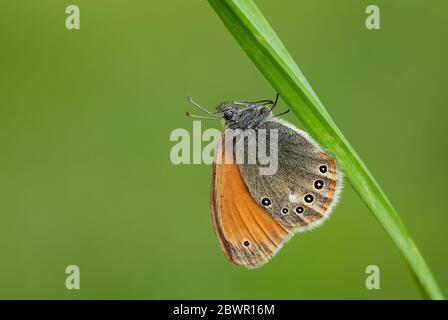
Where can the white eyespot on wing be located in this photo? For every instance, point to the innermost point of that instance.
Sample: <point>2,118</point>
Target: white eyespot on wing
<point>293,198</point>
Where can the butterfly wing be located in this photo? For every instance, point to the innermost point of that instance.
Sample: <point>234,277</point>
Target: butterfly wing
<point>251,232</point>
<point>306,185</point>
<point>247,234</point>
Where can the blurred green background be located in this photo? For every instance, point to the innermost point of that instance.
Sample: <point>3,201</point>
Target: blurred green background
<point>85,173</point>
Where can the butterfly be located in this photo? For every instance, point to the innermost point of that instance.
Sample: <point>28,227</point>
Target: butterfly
<point>254,214</point>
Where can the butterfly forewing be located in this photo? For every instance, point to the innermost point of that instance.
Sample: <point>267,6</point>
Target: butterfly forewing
<point>248,235</point>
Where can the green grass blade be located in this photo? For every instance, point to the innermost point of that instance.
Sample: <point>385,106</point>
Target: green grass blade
<point>254,34</point>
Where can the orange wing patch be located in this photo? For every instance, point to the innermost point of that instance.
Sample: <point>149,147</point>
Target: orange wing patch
<point>247,234</point>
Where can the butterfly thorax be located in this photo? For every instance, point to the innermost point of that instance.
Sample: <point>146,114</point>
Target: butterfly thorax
<point>242,117</point>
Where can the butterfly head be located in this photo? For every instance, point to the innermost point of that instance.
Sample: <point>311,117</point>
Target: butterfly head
<point>228,110</point>
<point>243,115</point>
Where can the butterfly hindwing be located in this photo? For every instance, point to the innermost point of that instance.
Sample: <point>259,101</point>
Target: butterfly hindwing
<point>306,185</point>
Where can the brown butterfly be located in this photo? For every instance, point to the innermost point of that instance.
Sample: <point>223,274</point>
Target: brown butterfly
<point>255,214</point>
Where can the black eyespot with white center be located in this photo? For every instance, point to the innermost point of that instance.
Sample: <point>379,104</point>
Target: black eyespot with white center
<point>299,210</point>
<point>308,198</point>
<point>246,243</point>
<point>323,168</point>
<point>318,184</point>
<point>285,210</point>
<point>266,202</point>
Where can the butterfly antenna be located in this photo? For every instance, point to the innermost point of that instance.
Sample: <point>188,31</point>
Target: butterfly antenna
<point>280,114</point>
<point>201,117</point>
<point>190,99</point>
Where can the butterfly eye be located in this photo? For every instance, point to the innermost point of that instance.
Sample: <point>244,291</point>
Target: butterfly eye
<point>228,114</point>
<point>309,198</point>
<point>318,184</point>
<point>246,243</point>
<point>299,210</point>
<point>323,168</point>
<point>266,202</point>
<point>285,210</point>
